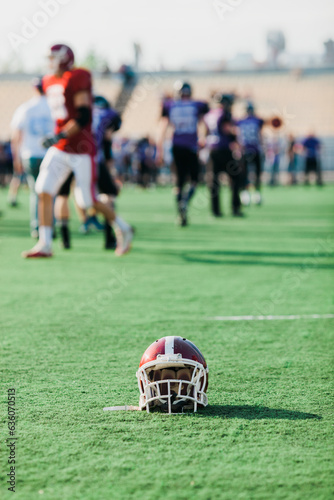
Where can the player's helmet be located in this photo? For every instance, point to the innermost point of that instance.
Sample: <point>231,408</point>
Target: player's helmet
<point>250,108</point>
<point>183,89</point>
<point>62,57</point>
<point>101,102</point>
<point>172,376</point>
<point>226,99</point>
<point>276,122</point>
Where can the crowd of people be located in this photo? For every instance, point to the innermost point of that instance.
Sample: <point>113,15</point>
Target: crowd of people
<point>62,141</point>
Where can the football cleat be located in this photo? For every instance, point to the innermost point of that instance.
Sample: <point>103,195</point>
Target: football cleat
<point>238,213</point>
<point>39,251</point>
<point>257,198</point>
<point>183,219</point>
<point>124,240</point>
<point>172,376</point>
<point>245,198</point>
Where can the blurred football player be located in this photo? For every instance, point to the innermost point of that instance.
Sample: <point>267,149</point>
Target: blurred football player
<point>311,148</point>
<point>275,146</point>
<point>225,153</point>
<point>71,148</point>
<point>274,150</point>
<point>292,158</point>
<point>32,121</point>
<point>146,152</point>
<point>106,121</point>
<point>184,115</point>
<point>251,141</point>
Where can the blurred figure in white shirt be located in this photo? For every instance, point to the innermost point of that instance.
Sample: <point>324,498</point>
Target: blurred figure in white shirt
<point>31,123</point>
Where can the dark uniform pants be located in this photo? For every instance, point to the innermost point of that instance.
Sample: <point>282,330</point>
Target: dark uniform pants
<point>187,165</point>
<point>223,161</point>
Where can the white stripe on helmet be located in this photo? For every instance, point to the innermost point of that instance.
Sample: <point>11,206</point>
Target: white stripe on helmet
<point>169,345</point>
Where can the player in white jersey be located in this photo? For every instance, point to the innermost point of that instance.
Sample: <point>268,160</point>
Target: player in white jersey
<point>31,122</point>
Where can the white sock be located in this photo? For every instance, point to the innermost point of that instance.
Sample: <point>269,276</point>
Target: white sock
<point>45,235</point>
<point>124,226</point>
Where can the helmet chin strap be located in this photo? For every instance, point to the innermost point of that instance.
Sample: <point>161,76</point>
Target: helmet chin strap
<point>177,405</point>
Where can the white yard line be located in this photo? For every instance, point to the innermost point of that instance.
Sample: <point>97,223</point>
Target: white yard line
<point>271,318</point>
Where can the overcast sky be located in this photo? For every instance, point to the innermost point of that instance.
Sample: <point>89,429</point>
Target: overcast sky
<point>171,32</point>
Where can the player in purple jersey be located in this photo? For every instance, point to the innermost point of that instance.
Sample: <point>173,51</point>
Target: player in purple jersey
<point>184,115</point>
<point>146,152</point>
<point>251,141</point>
<point>312,147</point>
<point>225,153</point>
<point>106,121</point>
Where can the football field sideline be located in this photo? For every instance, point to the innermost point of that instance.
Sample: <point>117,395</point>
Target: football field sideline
<point>272,318</point>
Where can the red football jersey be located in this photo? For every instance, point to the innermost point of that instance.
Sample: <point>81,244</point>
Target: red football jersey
<point>60,92</point>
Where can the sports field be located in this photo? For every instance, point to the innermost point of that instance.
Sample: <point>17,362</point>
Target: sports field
<point>74,328</point>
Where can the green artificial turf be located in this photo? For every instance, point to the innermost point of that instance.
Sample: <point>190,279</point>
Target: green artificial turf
<point>73,329</point>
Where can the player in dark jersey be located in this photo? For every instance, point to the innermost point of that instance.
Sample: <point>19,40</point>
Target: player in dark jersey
<point>71,149</point>
<point>225,153</point>
<point>146,152</point>
<point>312,147</point>
<point>251,141</point>
<point>105,122</point>
<point>183,114</point>
<point>292,157</point>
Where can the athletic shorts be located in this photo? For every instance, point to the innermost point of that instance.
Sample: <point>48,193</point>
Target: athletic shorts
<point>56,168</point>
<point>105,182</point>
<point>311,165</point>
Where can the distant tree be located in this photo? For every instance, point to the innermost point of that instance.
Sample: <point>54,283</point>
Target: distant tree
<point>95,62</point>
<point>138,53</point>
<point>91,61</point>
<point>329,52</point>
<point>276,45</point>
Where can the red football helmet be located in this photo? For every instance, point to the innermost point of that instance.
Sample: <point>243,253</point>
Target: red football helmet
<point>276,122</point>
<point>61,57</point>
<point>172,375</point>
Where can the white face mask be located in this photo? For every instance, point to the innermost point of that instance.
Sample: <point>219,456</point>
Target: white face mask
<point>53,64</point>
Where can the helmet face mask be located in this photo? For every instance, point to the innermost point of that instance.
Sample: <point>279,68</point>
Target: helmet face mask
<point>172,381</point>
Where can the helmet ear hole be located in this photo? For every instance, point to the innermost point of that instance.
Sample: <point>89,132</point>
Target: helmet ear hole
<point>156,375</point>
